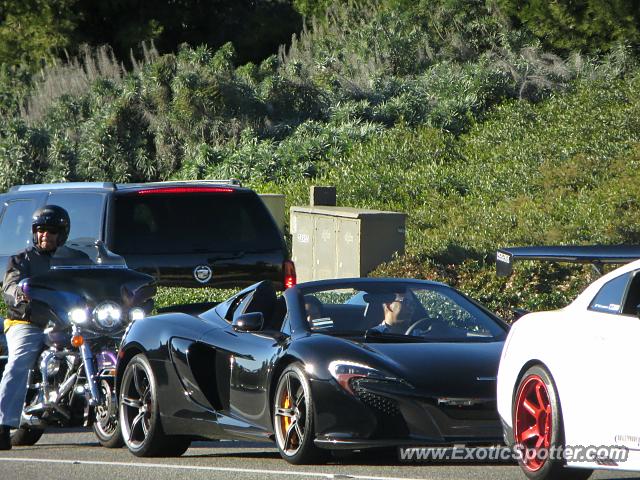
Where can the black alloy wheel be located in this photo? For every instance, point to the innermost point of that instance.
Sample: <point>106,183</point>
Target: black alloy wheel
<point>140,415</point>
<point>293,421</point>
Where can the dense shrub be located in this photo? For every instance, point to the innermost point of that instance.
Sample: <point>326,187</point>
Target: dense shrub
<point>585,25</point>
<point>33,31</point>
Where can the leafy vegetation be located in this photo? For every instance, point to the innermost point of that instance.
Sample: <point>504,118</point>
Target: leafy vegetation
<point>584,25</point>
<point>35,31</point>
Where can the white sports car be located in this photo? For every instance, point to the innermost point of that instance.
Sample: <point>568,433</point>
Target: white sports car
<point>567,395</point>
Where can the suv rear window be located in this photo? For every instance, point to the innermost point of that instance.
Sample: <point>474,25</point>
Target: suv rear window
<point>85,211</point>
<point>193,223</point>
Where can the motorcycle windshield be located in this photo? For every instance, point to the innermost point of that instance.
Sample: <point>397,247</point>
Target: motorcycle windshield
<point>89,254</point>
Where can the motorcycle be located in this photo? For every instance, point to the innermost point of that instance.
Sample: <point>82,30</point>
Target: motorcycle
<point>89,296</point>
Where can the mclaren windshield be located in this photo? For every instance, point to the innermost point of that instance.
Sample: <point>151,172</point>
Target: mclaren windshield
<point>395,311</point>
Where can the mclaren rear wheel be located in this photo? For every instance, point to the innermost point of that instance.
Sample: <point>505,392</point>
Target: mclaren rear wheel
<point>140,415</point>
<point>293,414</point>
<point>537,428</point>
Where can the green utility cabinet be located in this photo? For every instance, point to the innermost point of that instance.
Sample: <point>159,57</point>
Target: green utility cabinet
<point>339,242</point>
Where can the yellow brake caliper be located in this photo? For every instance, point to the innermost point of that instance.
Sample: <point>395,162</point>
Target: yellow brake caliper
<point>286,405</point>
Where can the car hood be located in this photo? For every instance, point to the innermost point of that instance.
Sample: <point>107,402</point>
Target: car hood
<point>464,370</point>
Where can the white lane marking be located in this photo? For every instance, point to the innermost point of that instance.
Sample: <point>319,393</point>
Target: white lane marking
<point>196,467</point>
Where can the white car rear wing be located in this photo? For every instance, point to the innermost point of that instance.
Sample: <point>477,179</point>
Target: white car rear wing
<point>597,255</point>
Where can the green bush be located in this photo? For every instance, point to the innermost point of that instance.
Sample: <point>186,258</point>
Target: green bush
<point>168,296</point>
<point>585,25</point>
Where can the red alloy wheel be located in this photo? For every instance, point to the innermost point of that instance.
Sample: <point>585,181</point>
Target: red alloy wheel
<point>532,421</point>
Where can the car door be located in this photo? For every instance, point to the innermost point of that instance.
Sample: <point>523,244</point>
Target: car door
<point>619,337</point>
<point>599,401</point>
<point>251,355</point>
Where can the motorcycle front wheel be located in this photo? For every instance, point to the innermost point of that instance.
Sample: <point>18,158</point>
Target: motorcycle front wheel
<point>106,425</point>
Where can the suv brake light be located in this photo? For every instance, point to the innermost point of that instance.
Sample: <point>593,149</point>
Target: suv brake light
<point>289,270</point>
<point>185,190</point>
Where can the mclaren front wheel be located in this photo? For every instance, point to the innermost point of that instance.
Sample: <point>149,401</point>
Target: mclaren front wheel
<point>293,417</point>
<point>140,414</point>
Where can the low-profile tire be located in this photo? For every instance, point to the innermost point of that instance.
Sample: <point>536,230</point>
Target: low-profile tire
<point>25,437</point>
<point>105,424</point>
<point>140,414</point>
<point>293,418</point>
<point>537,425</point>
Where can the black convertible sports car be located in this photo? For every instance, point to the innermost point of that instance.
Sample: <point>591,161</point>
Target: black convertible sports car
<point>327,365</point>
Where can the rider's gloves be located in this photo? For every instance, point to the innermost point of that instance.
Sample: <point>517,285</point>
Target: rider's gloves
<point>20,297</point>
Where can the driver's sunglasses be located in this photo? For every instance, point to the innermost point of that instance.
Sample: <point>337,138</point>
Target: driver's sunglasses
<point>47,228</point>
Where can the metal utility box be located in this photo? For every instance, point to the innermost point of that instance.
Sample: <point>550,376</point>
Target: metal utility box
<point>339,242</point>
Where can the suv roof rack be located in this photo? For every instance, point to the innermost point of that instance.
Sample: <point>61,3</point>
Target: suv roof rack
<point>113,186</point>
<point>59,186</point>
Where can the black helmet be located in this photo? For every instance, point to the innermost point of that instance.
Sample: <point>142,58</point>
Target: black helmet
<point>52,216</point>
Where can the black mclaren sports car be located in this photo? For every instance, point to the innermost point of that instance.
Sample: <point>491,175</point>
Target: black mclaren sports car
<point>333,364</point>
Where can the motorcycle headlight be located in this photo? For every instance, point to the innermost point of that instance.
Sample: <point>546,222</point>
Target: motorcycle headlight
<point>136,313</point>
<point>78,316</point>
<point>108,314</point>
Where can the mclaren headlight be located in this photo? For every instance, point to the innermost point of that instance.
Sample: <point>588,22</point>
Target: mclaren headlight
<point>108,315</point>
<point>344,371</point>
<point>78,316</point>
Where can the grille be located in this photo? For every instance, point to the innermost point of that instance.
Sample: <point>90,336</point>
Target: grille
<point>380,403</point>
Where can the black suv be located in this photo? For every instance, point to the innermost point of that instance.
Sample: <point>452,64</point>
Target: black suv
<point>190,234</point>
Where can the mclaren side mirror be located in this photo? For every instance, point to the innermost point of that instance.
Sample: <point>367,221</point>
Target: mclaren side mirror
<point>248,322</point>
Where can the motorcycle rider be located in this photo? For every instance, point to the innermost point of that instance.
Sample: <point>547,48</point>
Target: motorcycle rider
<point>24,326</point>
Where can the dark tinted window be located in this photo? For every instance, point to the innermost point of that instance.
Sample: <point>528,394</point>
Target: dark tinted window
<point>85,211</point>
<point>609,298</point>
<point>633,296</point>
<point>193,223</point>
<point>15,229</point>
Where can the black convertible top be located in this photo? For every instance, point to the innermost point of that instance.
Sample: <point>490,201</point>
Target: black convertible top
<point>597,255</point>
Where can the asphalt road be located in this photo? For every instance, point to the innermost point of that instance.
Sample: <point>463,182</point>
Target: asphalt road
<point>71,455</point>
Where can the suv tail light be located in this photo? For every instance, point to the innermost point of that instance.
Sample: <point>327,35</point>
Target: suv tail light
<point>289,270</point>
